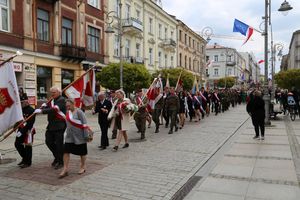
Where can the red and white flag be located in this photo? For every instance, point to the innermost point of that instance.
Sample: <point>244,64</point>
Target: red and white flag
<point>10,104</point>
<point>82,90</point>
<point>261,61</point>
<point>155,92</point>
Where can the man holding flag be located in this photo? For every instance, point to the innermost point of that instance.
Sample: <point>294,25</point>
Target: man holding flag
<point>56,110</point>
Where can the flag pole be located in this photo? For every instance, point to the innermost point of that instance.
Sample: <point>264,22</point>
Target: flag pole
<point>144,95</point>
<point>178,79</point>
<point>4,136</point>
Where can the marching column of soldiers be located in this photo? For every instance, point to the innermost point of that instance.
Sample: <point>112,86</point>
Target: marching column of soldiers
<point>115,111</point>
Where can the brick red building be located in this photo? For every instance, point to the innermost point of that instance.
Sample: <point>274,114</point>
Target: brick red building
<point>59,40</point>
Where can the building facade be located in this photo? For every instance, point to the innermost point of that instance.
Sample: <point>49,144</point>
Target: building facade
<point>294,51</point>
<point>59,40</point>
<point>224,62</point>
<point>148,36</point>
<point>252,69</point>
<point>191,50</point>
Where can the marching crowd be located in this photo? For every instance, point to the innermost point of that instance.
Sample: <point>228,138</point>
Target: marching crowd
<point>67,131</point>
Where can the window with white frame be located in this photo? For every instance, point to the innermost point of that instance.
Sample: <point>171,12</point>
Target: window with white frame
<point>127,11</point>
<point>150,25</point>
<point>117,7</point>
<point>229,71</point>
<point>138,50</point>
<point>166,61</point>
<point>159,31</point>
<point>4,15</point>
<point>150,56</point>
<point>138,15</point>
<point>166,33</point>
<point>93,39</point>
<point>216,58</point>
<point>172,61</point>
<point>159,59</point>
<point>43,25</point>
<point>127,48</point>
<point>117,46</point>
<point>94,3</point>
<point>216,72</point>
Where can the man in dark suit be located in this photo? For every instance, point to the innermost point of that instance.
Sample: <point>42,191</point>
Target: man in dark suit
<point>103,107</point>
<point>55,110</point>
<point>22,143</point>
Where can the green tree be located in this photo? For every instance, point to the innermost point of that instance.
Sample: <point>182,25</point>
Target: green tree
<point>230,81</point>
<point>288,79</point>
<point>186,77</point>
<point>135,76</point>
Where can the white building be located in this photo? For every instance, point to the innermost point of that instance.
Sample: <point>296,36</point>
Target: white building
<point>224,62</point>
<point>294,51</point>
<point>252,71</point>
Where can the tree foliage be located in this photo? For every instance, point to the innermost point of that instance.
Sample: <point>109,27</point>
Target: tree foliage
<point>288,79</point>
<point>186,77</point>
<point>135,76</point>
<point>230,81</point>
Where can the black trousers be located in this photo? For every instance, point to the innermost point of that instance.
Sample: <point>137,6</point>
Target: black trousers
<point>55,143</point>
<point>104,138</point>
<point>155,116</point>
<point>173,115</point>
<point>25,151</point>
<point>217,108</point>
<point>166,116</point>
<point>259,124</point>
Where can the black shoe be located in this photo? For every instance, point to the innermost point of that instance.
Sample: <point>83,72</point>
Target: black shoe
<point>166,126</point>
<point>125,146</point>
<point>256,137</point>
<point>58,166</point>
<point>115,148</point>
<point>21,163</point>
<point>142,136</point>
<point>102,148</point>
<point>170,132</point>
<point>156,130</point>
<point>176,129</point>
<point>53,164</point>
<point>24,166</point>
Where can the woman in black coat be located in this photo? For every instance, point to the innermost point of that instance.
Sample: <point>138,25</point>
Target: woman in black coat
<point>256,109</point>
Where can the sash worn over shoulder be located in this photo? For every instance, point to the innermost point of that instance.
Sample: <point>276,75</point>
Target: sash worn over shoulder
<point>75,122</point>
<point>59,114</point>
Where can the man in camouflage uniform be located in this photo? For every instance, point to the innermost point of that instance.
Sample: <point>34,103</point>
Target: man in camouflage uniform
<point>141,115</point>
<point>172,106</point>
<point>157,112</point>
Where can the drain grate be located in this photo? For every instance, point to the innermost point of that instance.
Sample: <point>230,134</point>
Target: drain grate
<point>186,188</point>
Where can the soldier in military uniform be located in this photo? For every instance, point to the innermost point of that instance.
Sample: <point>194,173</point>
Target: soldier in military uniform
<point>165,111</point>
<point>159,105</point>
<point>141,115</point>
<point>24,138</point>
<point>172,106</point>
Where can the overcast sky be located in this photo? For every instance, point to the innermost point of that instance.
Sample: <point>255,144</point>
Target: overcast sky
<point>220,14</point>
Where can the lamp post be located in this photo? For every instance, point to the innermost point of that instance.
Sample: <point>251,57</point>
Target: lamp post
<point>109,20</point>
<point>275,47</point>
<point>228,53</point>
<point>207,32</point>
<point>285,7</point>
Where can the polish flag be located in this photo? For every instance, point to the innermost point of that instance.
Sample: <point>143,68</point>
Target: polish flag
<point>82,90</point>
<point>154,93</point>
<point>10,104</point>
<point>261,61</point>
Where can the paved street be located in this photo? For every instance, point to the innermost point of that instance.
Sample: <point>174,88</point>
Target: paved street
<point>154,169</point>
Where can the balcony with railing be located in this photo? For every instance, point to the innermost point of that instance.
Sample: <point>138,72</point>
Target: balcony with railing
<point>168,44</point>
<point>230,63</point>
<point>136,60</point>
<point>132,26</point>
<point>72,53</point>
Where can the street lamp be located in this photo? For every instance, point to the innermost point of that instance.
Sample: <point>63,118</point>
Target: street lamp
<point>207,32</point>
<point>228,53</point>
<point>109,20</point>
<point>276,47</point>
<point>284,8</point>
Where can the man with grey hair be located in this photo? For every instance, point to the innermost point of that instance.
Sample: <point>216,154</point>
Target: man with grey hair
<point>103,107</point>
<point>55,110</point>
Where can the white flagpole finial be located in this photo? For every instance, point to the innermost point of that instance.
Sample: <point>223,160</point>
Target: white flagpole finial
<point>19,53</point>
